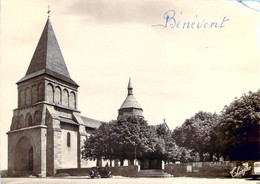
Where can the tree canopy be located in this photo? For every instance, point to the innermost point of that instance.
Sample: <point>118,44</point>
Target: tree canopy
<point>195,133</point>
<point>238,128</point>
<point>128,137</point>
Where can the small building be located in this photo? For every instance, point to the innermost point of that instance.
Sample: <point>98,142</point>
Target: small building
<point>130,107</point>
<point>47,130</point>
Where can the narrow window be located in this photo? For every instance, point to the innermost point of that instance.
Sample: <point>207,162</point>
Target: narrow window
<point>30,121</point>
<point>68,139</point>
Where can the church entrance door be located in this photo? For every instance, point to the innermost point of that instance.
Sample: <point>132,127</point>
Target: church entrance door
<point>23,155</point>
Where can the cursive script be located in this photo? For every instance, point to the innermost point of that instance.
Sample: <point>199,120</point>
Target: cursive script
<point>239,171</point>
<point>170,20</point>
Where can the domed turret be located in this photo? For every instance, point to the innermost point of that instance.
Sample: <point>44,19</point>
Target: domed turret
<point>130,106</point>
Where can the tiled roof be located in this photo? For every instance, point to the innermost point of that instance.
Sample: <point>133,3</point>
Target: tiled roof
<point>66,120</point>
<point>92,123</point>
<point>48,58</point>
<point>130,102</point>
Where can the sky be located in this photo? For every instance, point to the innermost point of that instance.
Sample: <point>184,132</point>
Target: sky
<point>175,72</point>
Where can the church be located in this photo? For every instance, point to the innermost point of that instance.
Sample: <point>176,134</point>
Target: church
<point>47,130</point>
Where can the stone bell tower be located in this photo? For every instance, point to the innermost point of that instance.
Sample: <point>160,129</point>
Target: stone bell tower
<point>45,120</point>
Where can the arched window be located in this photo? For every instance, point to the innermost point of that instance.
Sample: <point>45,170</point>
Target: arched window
<point>28,96</point>
<point>21,123</point>
<point>37,118</point>
<point>68,139</point>
<point>57,95</point>
<point>72,102</point>
<point>34,94</point>
<point>28,120</point>
<point>22,98</point>
<point>65,98</point>
<point>49,95</point>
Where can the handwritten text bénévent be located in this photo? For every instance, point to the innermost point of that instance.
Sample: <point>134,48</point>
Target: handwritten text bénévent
<point>171,21</point>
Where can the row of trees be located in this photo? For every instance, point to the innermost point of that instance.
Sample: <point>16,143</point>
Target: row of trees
<point>233,134</point>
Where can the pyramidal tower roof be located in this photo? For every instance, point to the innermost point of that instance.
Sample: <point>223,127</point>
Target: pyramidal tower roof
<point>130,101</point>
<point>47,58</point>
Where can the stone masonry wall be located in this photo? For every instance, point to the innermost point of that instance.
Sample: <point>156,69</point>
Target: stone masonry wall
<point>116,171</point>
<point>206,169</point>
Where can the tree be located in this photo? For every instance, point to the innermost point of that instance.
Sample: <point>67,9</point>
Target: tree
<point>128,137</point>
<point>171,151</point>
<point>195,134</point>
<point>238,128</point>
<point>93,149</point>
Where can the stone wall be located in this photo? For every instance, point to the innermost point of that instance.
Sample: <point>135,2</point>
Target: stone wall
<point>27,116</point>
<point>127,171</point>
<point>69,148</point>
<point>205,169</point>
<point>116,171</point>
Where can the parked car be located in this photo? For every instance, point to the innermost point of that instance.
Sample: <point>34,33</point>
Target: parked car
<point>256,171</point>
<point>99,172</point>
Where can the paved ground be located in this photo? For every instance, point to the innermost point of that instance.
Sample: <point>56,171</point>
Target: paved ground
<point>121,180</point>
